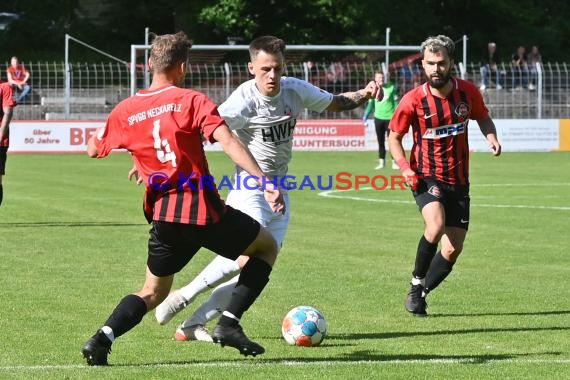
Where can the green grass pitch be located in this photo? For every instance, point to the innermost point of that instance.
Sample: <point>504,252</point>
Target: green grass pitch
<point>73,242</point>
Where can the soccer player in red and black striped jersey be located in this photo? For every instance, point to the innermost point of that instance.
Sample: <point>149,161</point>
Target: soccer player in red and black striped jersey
<point>7,105</point>
<point>163,127</point>
<point>438,170</point>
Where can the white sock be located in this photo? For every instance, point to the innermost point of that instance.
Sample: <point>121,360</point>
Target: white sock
<point>418,281</point>
<point>214,305</point>
<point>108,333</point>
<point>217,271</point>
<point>230,315</point>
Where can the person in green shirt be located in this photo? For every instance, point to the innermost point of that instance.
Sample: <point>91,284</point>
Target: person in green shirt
<point>383,110</point>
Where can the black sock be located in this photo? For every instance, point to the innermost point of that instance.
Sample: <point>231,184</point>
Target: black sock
<point>253,278</point>
<point>424,256</point>
<point>439,269</point>
<point>1,193</point>
<point>128,313</point>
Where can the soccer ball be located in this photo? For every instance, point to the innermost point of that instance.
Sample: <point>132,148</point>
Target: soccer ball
<point>304,326</point>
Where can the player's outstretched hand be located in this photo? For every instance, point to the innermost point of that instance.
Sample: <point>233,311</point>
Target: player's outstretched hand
<point>495,148</point>
<point>275,199</point>
<point>374,91</point>
<point>134,173</point>
<point>411,178</point>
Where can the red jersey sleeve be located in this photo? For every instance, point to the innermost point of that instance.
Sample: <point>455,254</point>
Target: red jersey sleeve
<point>478,108</point>
<point>7,96</point>
<point>6,100</point>
<point>402,118</point>
<point>207,117</point>
<point>111,136</point>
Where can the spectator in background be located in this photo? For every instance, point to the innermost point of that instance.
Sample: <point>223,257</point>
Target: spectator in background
<point>533,58</point>
<point>313,72</point>
<point>519,67</point>
<point>383,110</point>
<point>491,67</point>
<point>410,76</point>
<point>18,77</point>
<point>336,78</point>
<point>6,108</point>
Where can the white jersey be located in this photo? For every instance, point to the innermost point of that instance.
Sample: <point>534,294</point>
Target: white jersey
<point>266,124</point>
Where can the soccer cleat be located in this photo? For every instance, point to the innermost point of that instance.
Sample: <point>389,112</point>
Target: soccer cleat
<point>170,307</point>
<point>380,164</point>
<point>416,302</point>
<point>96,349</point>
<point>194,332</point>
<point>395,165</point>
<point>234,336</point>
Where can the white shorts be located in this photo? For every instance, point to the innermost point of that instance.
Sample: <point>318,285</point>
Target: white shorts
<point>253,203</point>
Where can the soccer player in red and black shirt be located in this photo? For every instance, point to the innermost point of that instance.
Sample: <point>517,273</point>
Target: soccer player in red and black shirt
<point>163,127</point>
<point>438,171</point>
<point>7,105</point>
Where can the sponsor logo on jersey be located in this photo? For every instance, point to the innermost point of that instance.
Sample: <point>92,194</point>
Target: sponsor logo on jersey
<point>279,132</point>
<point>462,110</point>
<point>445,131</point>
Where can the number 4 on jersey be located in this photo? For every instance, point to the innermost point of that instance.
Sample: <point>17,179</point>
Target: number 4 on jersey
<point>162,147</point>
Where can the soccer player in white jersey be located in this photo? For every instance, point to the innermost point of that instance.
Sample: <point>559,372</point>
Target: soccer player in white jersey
<point>262,112</point>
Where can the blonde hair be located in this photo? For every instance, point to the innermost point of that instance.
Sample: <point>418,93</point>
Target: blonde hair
<point>169,50</point>
<point>438,43</point>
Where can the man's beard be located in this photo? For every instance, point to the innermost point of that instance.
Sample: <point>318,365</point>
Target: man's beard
<point>440,82</point>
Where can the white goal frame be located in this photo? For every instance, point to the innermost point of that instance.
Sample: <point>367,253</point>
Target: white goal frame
<point>386,48</point>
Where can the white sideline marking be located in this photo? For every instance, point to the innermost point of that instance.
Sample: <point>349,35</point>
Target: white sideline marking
<point>292,363</point>
<point>546,184</point>
<point>331,194</point>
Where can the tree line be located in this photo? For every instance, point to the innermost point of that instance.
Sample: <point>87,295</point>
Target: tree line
<point>37,33</point>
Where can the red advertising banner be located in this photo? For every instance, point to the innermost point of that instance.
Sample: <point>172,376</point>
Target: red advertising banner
<point>329,135</point>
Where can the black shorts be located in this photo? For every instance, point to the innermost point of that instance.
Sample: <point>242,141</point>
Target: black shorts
<point>172,245</point>
<point>454,198</point>
<point>3,157</point>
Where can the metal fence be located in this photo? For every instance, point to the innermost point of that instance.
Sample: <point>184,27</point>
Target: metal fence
<point>96,88</point>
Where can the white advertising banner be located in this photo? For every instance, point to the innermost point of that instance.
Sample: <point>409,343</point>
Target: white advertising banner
<point>519,135</point>
<point>515,135</point>
<point>51,136</point>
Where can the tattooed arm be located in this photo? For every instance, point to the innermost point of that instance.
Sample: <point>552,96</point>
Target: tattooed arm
<point>351,100</point>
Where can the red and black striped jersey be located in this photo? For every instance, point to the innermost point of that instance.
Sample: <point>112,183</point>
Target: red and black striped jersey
<point>439,126</point>
<point>6,100</point>
<point>164,130</point>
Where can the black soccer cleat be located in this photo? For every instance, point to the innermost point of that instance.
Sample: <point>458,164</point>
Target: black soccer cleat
<point>96,349</point>
<point>415,302</point>
<point>234,336</point>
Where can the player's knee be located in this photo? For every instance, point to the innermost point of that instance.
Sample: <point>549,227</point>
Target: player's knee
<point>434,232</point>
<point>451,251</point>
<point>267,241</point>
<point>264,247</point>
